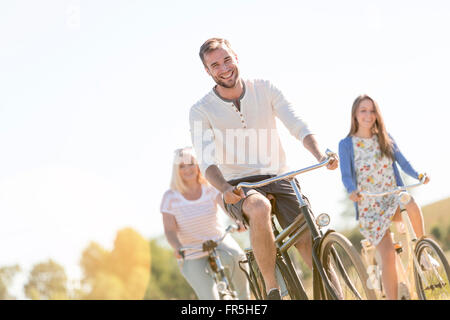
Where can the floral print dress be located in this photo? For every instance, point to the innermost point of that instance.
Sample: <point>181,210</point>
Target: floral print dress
<point>374,173</point>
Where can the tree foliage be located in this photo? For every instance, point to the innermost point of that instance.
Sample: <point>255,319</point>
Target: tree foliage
<point>47,281</point>
<point>167,282</point>
<point>6,277</point>
<point>120,274</point>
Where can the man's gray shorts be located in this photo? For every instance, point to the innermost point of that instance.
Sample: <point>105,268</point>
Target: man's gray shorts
<point>287,207</point>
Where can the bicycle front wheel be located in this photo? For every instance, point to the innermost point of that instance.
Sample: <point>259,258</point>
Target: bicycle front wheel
<point>344,268</point>
<point>432,281</point>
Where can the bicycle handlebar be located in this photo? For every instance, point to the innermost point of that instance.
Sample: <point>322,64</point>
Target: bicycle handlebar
<point>328,152</point>
<point>230,229</point>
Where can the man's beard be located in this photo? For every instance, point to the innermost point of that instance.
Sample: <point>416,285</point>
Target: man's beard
<point>227,84</point>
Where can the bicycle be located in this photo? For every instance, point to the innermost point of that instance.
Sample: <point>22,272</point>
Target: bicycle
<point>431,270</point>
<point>331,252</point>
<point>219,274</point>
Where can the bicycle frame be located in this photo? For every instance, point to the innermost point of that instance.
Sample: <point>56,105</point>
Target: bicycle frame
<point>219,276</point>
<point>285,234</point>
<point>411,234</point>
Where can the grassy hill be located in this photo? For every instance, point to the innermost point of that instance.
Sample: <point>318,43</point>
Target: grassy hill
<point>437,214</point>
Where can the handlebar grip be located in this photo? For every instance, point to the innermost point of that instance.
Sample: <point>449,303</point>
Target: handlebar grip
<point>330,153</point>
<point>422,177</point>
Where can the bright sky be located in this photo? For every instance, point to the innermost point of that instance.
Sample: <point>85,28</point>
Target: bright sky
<point>95,96</point>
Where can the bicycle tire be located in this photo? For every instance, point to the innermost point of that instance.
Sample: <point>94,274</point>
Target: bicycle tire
<point>226,293</point>
<point>292,284</point>
<point>337,253</point>
<point>258,286</point>
<point>256,280</point>
<point>438,289</point>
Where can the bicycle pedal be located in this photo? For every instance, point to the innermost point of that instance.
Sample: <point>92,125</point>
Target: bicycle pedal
<point>436,286</point>
<point>398,247</point>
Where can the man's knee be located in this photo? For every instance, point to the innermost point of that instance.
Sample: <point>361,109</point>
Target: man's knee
<point>257,205</point>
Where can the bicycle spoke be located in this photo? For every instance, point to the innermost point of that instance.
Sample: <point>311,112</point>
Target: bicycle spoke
<point>345,268</point>
<point>346,277</point>
<point>433,280</point>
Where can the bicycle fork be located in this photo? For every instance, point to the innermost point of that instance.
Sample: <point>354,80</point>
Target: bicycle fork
<point>413,240</point>
<point>316,240</point>
<point>219,274</point>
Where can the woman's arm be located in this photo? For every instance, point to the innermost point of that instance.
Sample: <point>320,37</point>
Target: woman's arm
<point>171,232</point>
<point>346,166</point>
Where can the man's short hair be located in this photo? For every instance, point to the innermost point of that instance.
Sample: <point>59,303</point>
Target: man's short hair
<point>211,45</point>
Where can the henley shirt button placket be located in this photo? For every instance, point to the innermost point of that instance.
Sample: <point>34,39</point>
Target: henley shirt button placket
<point>242,117</point>
<point>242,120</point>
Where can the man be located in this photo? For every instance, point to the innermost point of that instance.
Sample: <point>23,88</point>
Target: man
<point>245,111</point>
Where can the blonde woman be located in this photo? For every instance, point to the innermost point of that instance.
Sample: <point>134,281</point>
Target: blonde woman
<point>369,158</point>
<point>191,216</point>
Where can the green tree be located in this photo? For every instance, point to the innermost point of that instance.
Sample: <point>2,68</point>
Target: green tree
<point>436,232</point>
<point>47,281</point>
<point>446,240</point>
<point>166,282</point>
<point>6,277</point>
<point>120,274</point>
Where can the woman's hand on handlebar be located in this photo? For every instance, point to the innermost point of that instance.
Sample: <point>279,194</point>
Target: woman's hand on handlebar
<point>355,196</point>
<point>427,178</point>
<point>179,254</point>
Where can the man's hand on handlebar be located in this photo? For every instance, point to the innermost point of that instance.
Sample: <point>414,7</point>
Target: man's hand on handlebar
<point>334,161</point>
<point>232,195</point>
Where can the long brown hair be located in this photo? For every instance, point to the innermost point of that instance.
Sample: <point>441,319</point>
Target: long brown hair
<point>386,145</point>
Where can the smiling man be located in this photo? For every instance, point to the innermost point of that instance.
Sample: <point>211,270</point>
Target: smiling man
<point>233,131</point>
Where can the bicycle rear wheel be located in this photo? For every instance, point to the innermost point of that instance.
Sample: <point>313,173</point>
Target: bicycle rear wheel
<point>434,282</point>
<point>344,268</point>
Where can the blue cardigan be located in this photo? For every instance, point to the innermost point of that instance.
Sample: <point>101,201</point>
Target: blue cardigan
<point>347,165</point>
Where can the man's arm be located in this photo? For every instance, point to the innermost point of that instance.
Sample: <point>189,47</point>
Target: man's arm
<point>215,177</point>
<point>310,143</point>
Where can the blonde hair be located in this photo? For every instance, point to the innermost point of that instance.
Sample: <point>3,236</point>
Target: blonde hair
<point>184,155</point>
<point>386,145</point>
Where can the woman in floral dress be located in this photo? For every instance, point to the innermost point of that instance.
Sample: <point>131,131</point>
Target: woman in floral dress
<point>369,158</point>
